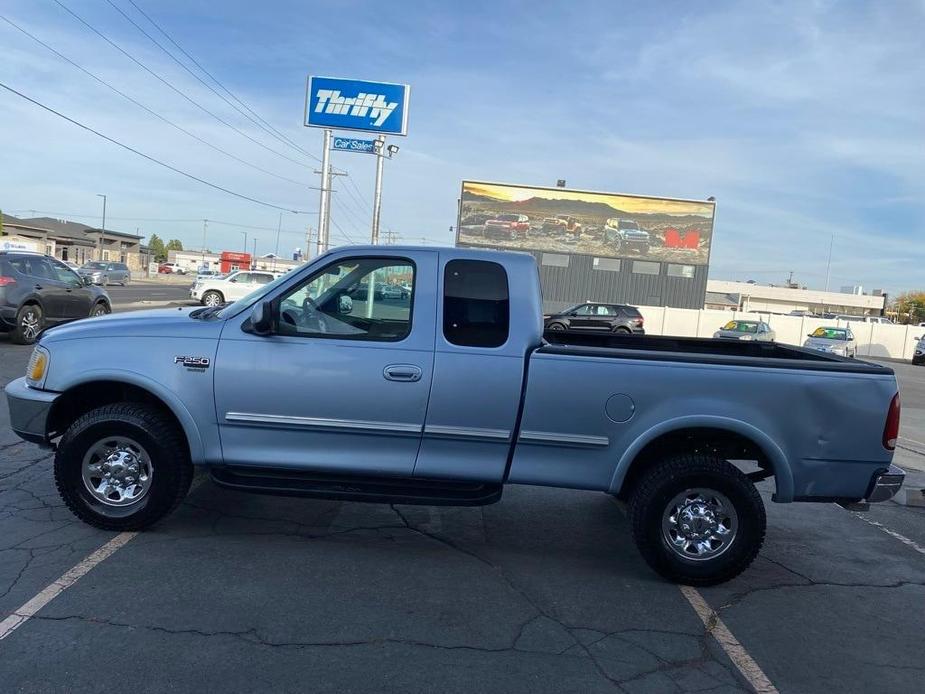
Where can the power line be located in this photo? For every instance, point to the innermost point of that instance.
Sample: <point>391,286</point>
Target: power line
<point>171,86</point>
<point>149,110</point>
<point>193,74</point>
<point>222,86</point>
<point>142,154</point>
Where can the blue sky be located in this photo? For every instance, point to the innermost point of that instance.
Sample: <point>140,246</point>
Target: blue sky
<point>804,119</point>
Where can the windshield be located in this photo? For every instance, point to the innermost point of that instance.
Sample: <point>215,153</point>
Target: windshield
<point>741,326</point>
<point>628,224</point>
<point>507,217</point>
<point>831,333</point>
<point>94,266</point>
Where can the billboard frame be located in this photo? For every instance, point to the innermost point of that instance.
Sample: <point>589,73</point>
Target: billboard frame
<point>555,189</point>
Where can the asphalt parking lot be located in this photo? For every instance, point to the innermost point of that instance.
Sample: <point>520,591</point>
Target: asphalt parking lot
<point>542,592</point>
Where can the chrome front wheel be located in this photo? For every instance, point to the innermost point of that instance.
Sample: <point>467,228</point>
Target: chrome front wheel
<point>117,471</point>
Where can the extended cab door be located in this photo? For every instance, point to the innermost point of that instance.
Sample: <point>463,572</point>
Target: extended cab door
<point>341,383</point>
<point>489,319</point>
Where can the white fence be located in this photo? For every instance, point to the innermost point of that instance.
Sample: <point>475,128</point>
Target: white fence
<point>874,339</point>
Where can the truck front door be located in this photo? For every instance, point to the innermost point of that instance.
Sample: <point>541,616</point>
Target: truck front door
<point>341,384</point>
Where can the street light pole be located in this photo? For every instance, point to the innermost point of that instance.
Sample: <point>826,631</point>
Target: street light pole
<point>245,244</point>
<point>205,225</point>
<point>254,256</point>
<point>279,228</point>
<point>377,194</point>
<point>99,243</point>
<point>828,266</point>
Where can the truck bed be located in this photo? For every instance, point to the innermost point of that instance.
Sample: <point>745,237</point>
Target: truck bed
<point>704,350</point>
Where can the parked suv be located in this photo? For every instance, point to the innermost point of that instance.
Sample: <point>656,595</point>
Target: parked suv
<point>511,226</point>
<point>37,291</point>
<point>626,235</point>
<point>103,273</point>
<point>610,318</point>
<point>919,356</point>
<point>237,285</point>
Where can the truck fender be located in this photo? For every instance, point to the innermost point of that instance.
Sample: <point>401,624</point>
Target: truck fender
<point>173,403</point>
<point>783,476</point>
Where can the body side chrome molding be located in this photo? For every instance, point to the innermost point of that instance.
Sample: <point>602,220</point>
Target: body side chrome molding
<point>563,439</point>
<point>322,423</point>
<point>467,432</point>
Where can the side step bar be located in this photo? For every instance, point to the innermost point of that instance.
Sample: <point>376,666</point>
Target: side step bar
<point>397,490</point>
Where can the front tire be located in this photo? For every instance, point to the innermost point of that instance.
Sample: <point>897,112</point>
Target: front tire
<point>212,298</point>
<point>697,519</point>
<point>30,321</point>
<point>100,309</point>
<point>122,467</point>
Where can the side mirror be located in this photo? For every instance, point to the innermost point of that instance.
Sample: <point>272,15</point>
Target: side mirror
<point>87,281</point>
<point>233,279</point>
<point>809,334</point>
<point>261,320</point>
<point>344,304</point>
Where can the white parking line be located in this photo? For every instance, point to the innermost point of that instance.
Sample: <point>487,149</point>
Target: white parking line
<point>892,533</point>
<point>907,439</point>
<point>55,588</point>
<point>735,650</point>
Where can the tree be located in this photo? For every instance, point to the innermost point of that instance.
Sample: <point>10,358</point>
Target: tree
<point>174,245</point>
<point>910,306</point>
<point>156,244</point>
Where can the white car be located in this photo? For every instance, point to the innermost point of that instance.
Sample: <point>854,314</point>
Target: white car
<point>237,285</point>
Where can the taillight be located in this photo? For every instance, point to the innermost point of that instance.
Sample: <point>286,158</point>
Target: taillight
<point>4,281</point>
<point>891,430</point>
<point>639,321</point>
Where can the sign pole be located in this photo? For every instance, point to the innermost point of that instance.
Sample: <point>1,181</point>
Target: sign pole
<point>324,207</point>
<point>377,196</point>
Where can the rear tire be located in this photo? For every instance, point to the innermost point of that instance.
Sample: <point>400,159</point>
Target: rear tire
<point>30,321</point>
<point>623,330</point>
<point>556,327</point>
<point>697,519</point>
<point>135,434</point>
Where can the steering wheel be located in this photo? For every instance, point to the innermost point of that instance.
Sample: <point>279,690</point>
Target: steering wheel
<point>312,317</point>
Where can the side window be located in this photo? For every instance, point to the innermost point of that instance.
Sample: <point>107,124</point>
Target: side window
<point>347,300</point>
<point>476,306</point>
<point>242,278</point>
<point>39,267</point>
<point>586,310</point>
<point>65,274</point>
<point>604,311</point>
<point>261,278</point>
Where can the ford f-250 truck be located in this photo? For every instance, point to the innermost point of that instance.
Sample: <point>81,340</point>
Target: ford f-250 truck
<point>309,387</point>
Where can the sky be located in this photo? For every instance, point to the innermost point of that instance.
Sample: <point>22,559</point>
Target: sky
<point>805,120</point>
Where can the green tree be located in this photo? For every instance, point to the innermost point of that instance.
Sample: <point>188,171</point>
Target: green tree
<point>174,245</point>
<point>910,306</point>
<point>156,244</point>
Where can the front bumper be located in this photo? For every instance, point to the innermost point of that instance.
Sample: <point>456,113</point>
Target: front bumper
<point>885,485</point>
<point>29,409</point>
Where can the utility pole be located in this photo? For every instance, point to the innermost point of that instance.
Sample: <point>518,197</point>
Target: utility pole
<point>828,265</point>
<point>99,243</point>
<point>279,228</point>
<point>254,256</point>
<point>245,242</point>
<point>324,207</point>
<point>205,225</point>
<point>377,195</point>
<point>324,235</point>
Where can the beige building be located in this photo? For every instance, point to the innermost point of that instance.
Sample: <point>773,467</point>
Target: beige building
<point>78,243</point>
<point>745,296</point>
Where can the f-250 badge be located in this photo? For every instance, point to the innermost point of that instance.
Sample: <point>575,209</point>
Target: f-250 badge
<point>192,362</point>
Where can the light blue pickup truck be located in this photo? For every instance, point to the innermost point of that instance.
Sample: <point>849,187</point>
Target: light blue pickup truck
<point>317,385</point>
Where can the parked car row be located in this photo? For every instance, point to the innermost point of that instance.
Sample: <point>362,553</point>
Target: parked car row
<point>37,291</point>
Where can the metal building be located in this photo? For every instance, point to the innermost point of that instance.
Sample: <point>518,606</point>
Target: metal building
<point>593,246</point>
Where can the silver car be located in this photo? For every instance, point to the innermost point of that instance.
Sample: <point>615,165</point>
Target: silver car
<point>918,357</point>
<point>833,340</point>
<point>746,330</point>
<point>103,273</point>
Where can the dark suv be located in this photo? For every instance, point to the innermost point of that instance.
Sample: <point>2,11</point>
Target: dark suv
<point>37,291</point>
<point>608,318</point>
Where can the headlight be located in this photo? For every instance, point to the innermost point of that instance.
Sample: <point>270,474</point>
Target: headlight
<point>716,335</point>
<point>746,337</point>
<point>37,368</point>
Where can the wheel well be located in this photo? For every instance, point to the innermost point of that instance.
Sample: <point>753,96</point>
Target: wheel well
<point>726,444</point>
<point>88,396</point>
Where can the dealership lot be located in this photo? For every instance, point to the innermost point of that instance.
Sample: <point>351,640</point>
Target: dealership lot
<point>543,591</point>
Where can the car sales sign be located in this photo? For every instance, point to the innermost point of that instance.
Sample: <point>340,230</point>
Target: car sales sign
<point>342,104</point>
<point>351,144</point>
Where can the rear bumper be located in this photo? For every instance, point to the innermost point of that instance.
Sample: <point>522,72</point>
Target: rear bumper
<point>29,409</point>
<point>885,485</point>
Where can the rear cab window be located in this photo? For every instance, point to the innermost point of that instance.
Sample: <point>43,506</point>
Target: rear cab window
<point>476,303</point>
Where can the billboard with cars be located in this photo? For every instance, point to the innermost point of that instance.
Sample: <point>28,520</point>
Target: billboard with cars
<point>560,220</point>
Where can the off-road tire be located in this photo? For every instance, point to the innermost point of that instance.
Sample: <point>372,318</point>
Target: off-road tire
<point>161,439</point>
<point>17,334</point>
<point>653,492</point>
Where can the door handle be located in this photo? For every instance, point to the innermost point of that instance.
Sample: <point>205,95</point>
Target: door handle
<point>402,372</point>
<point>38,286</point>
